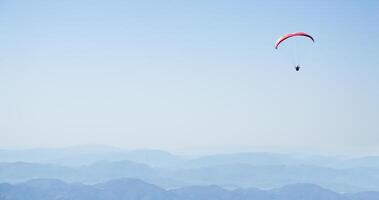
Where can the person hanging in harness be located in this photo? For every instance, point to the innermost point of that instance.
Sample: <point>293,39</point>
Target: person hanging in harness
<point>297,68</point>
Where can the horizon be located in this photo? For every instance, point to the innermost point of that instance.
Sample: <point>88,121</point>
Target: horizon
<point>193,153</point>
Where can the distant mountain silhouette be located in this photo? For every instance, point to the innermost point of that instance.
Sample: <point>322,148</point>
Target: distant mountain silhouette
<point>201,193</point>
<point>134,189</point>
<point>251,158</point>
<point>101,171</point>
<point>87,154</point>
<point>306,192</point>
<point>21,171</point>
<point>96,163</point>
<point>370,195</point>
<point>229,176</point>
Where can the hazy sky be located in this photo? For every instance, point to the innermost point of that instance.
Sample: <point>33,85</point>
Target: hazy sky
<point>188,75</point>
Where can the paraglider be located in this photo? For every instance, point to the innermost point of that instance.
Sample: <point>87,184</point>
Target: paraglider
<point>297,68</point>
<point>290,35</point>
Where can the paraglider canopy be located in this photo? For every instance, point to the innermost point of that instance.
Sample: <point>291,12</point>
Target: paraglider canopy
<point>297,34</point>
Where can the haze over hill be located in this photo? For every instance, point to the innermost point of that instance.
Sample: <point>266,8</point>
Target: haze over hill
<point>246,169</point>
<point>133,189</point>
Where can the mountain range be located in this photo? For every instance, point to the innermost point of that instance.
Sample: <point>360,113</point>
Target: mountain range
<point>98,164</point>
<point>134,189</point>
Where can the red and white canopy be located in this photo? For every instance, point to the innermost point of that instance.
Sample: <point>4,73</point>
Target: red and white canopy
<point>302,34</point>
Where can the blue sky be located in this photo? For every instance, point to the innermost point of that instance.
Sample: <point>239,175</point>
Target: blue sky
<point>189,75</point>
